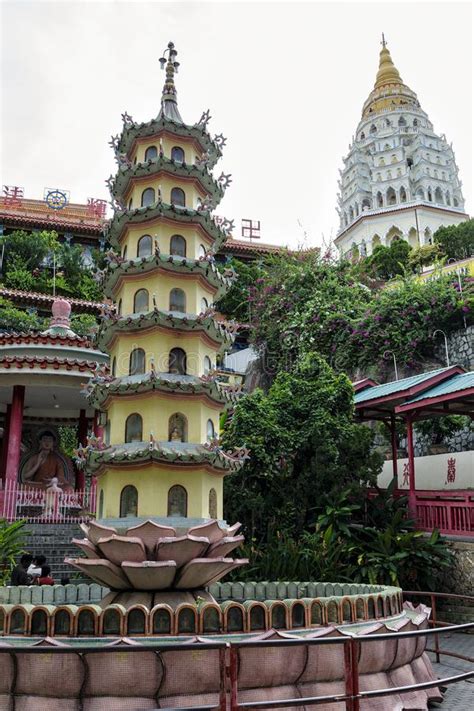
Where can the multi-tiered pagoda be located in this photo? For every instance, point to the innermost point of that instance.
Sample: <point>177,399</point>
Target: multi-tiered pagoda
<point>161,403</point>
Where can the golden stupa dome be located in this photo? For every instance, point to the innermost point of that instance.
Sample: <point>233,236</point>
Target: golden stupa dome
<point>389,91</point>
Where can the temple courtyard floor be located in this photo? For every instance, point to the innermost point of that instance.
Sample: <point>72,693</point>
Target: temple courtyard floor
<point>460,696</point>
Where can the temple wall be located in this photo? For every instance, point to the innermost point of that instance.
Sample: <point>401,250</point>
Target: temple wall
<point>431,472</point>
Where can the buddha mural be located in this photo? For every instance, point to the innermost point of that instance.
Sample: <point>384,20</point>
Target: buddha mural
<point>41,467</point>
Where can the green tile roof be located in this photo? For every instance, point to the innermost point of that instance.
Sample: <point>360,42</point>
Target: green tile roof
<point>396,386</point>
<point>456,384</point>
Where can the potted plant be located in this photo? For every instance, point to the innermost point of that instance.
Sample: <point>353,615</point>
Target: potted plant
<point>439,429</point>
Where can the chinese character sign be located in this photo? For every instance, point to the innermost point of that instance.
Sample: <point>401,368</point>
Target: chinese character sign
<point>96,207</point>
<point>12,194</point>
<point>406,475</point>
<point>451,473</point>
<point>251,229</point>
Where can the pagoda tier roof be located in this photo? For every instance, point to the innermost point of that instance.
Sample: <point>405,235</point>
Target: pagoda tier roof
<point>205,323</point>
<point>161,164</point>
<point>133,131</point>
<point>37,299</point>
<point>170,453</point>
<point>203,267</point>
<point>100,388</point>
<point>142,215</point>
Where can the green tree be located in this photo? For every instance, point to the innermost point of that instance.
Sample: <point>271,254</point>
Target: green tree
<point>13,319</point>
<point>304,445</point>
<point>235,304</point>
<point>456,241</point>
<point>388,262</point>
<point>27,250</point>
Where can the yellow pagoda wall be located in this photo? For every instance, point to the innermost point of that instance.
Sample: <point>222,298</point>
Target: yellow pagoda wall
<point>163,232</point>
<point>191,150</point>
<point>161,285</point>
<point>153,483</point>
<point>156,409</point>
<point>157,343</point>
<point>191,188</point>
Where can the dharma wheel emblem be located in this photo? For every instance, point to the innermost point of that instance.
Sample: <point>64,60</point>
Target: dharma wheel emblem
<point>56,199</point>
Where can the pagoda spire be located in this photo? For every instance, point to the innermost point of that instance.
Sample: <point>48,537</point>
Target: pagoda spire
<point>169,103</point>
<point>387,73</point>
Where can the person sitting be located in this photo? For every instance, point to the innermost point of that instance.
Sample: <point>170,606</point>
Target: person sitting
<point>34,571</point>
<point>46,465</point>
<point>45,577</point>
<point>20,572</point>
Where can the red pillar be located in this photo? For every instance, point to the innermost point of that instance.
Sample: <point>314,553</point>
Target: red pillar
<point>82,437</point>
<point>98,429</point>
<point>411,470</point>
<point>393,435</point>
<point>6,436</point>
<point>14,435</point>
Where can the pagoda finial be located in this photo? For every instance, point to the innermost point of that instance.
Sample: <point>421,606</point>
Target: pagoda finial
<point>169,108</point>
<point>387,73</point>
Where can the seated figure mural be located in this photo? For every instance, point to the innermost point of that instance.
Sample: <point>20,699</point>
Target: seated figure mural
<point>48,466</point>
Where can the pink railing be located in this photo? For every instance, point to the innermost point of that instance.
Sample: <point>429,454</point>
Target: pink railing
<point>452,512</point>
<point>20,501</point>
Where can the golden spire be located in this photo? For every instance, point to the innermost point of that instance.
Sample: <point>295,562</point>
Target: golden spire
<point>387,73</point>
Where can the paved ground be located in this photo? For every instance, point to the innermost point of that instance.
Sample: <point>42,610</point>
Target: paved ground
<point>460,696</point>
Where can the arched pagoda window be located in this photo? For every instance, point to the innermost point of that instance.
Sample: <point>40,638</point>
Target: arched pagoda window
<point>114,366</point>
<point>178,246</point>
<point>101,504</point>
<point>178,300</point>
<point>148,197</point>
<point>137,362</point>
<point>124,253</point>
<point>207,364</point>
<point>177,428</point>
<point>134,428</point>
<point>128,501</point>
<point>177,361</point>
<point>177,154</point>
<point>211,433</point>
<point>204,304</point>
<point>140,301</point>
<point>178,197</point>
<point>119,307</point>
<point>151,153</point>
<point>201,251</point>
<point>144,246</point>
<point>212,503</point>
<point>177,501</point>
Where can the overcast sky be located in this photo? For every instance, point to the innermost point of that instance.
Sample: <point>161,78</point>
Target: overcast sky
<point>285,82</point>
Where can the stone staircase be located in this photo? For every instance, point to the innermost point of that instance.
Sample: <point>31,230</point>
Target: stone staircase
<point>54,542</point>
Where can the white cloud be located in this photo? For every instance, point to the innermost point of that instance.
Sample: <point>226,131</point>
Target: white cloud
<point>285,82</point>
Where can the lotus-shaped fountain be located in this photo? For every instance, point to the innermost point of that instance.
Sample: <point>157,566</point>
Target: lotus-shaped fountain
<point>153,557</point>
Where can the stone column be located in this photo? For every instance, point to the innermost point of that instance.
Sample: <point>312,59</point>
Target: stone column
<point>14,435</point>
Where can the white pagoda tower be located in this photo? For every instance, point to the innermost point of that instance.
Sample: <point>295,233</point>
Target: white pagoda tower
<point>400,179</point>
